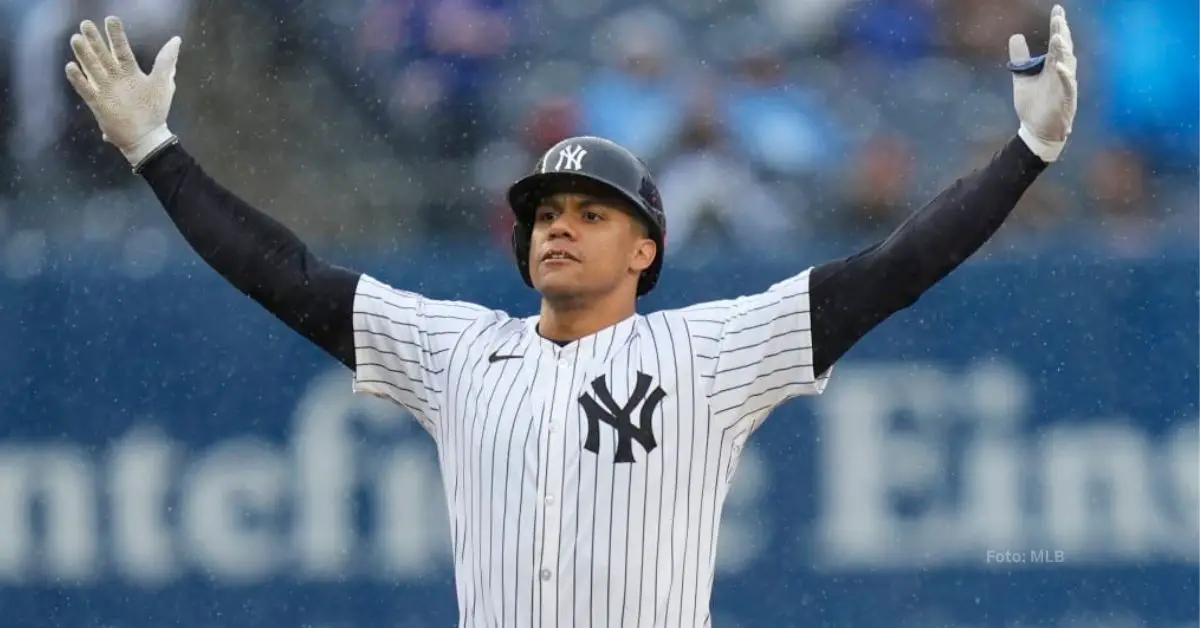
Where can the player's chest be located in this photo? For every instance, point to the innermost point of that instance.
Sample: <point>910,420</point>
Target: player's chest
<point>574,409</point>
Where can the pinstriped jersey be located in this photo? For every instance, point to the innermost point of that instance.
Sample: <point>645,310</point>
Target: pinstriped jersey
<point>585,482</point>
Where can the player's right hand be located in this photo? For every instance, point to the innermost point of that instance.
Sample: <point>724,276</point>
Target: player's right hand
<point>129,105</point>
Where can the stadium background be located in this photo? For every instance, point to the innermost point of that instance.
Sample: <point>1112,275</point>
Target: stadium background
<point>171,456</point>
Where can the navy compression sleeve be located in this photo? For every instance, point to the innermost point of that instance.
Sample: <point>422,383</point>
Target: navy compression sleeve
<point>256,254</point>
<point>852,295</point>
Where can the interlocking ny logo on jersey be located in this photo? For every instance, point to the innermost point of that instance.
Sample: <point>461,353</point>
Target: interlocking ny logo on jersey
<point>602,407</point>
<point>570,158</point>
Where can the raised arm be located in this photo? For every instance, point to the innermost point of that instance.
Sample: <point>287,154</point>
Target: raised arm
<point>760,350</point>
<point>256,254</point>
<point>396,342</point>
<point>253,252</point>
<point>851,296</point>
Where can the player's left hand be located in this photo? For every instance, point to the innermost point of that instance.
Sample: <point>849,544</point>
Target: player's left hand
<point>1045,89</point>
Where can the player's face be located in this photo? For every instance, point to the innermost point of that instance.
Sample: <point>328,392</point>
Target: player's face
<point>586,245</point>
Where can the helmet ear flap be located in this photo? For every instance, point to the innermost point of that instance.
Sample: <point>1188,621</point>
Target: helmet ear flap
<point>521,234</point>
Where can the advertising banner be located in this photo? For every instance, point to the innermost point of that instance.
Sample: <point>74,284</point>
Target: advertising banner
<point>1017,449</point>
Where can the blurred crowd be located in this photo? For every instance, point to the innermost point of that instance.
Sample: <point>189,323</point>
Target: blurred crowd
<point>770,123</point>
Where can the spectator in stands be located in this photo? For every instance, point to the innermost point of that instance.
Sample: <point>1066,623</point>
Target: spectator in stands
<point>774,119</point>
<point>876,192</point>
<point>989,24</point>
<point>806,23</point>
<point>1122,218</point>
<point>714,198</point>
<point>442,56</point>
<point>636,98</point>
<point>890,30</point>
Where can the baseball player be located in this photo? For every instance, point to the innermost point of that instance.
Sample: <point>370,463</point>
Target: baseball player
<point>586,451</point>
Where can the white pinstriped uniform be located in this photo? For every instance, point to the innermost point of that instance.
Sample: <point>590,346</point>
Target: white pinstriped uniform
<point>546,532</point>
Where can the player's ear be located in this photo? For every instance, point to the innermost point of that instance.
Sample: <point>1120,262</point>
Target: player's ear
<point>643,254</point>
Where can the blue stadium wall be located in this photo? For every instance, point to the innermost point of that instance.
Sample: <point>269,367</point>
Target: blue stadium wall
<point>1020,448</point>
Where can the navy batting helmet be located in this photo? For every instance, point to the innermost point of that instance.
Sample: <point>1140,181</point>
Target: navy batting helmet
<point>592,160</point>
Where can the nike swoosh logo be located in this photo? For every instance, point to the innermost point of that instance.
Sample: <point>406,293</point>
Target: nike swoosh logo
<point>496,357</point>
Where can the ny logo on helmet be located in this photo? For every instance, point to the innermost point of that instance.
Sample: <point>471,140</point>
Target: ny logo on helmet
<point>570,158</point>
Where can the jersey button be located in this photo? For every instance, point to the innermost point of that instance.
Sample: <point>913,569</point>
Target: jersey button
<point>562,364</point>
<point>549,500</point>
<point>545,575</point>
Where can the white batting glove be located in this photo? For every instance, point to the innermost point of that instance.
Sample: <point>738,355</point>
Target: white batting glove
<point>129,106</point>
<point>1045,89</point>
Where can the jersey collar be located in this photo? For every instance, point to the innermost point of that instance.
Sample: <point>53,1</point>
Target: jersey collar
<point>600,345</point>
